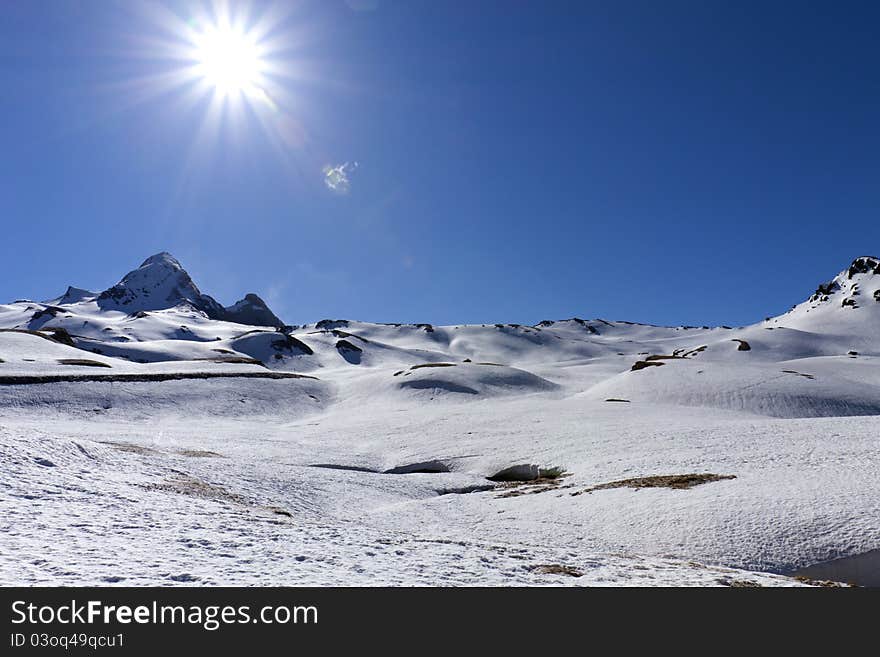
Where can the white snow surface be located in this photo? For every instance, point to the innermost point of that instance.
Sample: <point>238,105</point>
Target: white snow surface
<point>186,459</point>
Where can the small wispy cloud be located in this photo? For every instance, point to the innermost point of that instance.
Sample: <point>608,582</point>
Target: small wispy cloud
<point>338,177</point>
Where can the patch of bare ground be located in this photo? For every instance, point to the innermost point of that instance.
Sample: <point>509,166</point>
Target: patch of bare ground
<point>738,583</point>
<point>199,453</point>
<point>823,583</point>
<point>677,482</point>
<point>556,569</point>
<point>82,362</point>
<point>184,484</point>
<point>656,360</point>
<point>550,479</point>
<point>130,447</point>
<point>642,364</point>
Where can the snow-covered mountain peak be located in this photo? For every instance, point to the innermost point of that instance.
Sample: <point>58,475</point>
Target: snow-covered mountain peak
<point>848,302</point>
<point>159,283</point>
<point>163,259</point>
<point>869,265</point>
<point>864,272</point>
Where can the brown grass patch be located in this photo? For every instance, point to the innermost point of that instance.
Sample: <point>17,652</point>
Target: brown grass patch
<point>824,583</point>
<point>83,362</point>
<point>739,583</point>
<point>676,482</point>
<point>199,453</point>
<point>549,479</point>
<point>131,448</point>
<point>556,569</point>
<point>186,485</point>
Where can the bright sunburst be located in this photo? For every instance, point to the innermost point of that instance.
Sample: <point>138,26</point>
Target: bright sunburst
<point>236,65</point>
<point>227,52</point>
<point>228,59</point>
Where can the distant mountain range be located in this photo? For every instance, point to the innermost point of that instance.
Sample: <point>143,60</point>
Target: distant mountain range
<point>161,283</point>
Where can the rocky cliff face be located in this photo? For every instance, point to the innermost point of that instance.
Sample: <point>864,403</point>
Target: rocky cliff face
<point>252,310</point>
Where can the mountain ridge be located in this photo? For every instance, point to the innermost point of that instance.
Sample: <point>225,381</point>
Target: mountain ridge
<point>161,283</point>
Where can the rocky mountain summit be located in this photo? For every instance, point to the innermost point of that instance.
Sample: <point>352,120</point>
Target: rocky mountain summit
<point>161,283</point>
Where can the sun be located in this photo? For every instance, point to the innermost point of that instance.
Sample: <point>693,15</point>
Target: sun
<point>237,64</point>
<point>228,59</point>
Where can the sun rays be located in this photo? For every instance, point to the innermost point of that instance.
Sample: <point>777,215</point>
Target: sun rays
<point>242,76</point>
<point>228,61</point>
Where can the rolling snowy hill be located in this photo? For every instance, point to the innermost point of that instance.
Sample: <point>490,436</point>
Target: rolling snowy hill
<point>211,444</point>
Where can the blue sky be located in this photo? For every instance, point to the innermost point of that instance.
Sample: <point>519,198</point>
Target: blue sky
<point>700,162</point>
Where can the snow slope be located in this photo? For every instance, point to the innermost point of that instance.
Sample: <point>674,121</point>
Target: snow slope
<point>187,444</point>
<point>87,512</point>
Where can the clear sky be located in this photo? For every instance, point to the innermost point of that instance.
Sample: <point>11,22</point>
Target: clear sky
<point>446,161</point>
